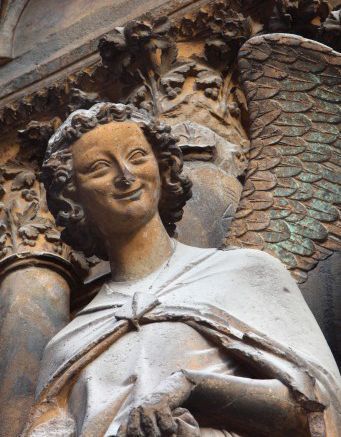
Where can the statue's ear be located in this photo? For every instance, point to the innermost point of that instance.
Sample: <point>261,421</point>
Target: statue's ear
<point>289,203</point>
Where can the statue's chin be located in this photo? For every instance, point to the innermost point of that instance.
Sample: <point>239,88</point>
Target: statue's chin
<point>126,221</point>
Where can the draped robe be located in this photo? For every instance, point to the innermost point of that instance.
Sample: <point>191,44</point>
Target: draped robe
<point>234,312</point>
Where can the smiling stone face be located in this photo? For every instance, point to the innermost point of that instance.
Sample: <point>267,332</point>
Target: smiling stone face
<point>117,177</point>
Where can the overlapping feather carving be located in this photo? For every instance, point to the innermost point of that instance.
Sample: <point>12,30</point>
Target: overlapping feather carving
<point>289,205</point>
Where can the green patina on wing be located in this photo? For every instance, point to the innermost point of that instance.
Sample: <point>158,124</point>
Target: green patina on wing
<point>289,205</point>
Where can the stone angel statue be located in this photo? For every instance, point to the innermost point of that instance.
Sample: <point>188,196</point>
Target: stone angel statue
<point>186,341</point>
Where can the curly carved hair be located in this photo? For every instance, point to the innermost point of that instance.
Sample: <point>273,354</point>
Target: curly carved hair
<point>58,173</point>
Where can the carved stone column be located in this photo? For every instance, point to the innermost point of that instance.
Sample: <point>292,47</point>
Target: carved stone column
<point>34,307</point>
<point>37,275</point>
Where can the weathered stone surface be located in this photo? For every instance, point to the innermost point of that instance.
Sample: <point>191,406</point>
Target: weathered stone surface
<point>114,181</point>
<point>322,293</point>
<point>50,40</point>
<point>184,72</point>
<point>208,214</point>
<point>34,307</point>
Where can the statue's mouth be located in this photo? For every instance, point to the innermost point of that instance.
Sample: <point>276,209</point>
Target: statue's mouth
<point>131,195</point>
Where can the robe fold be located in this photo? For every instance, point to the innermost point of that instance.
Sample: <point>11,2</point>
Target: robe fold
<point>235,312</point>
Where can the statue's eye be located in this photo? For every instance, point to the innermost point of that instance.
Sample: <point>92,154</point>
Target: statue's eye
<point>137,155</point>
<point>99,165</point>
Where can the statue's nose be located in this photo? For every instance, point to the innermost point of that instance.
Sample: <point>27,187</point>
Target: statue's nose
<point>124,181</point>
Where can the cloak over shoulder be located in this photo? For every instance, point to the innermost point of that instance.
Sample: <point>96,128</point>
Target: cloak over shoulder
<point>243,300</point>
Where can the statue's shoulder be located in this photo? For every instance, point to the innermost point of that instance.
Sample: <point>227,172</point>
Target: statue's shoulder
<point>236,261</point>
<point>249,257</point>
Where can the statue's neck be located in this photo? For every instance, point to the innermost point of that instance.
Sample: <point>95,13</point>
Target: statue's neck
<point>136,255</point>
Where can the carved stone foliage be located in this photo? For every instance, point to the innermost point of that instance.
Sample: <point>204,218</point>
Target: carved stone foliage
<point>222,27</point>
<point>290,201</point>
<point>330,30</point>
<point>58,99</point>
<point>159,66</point>
<point>22,224</point>
<point>222,30</point>
<point>25,222</point>
<point>314,19</point>
<point>171,69</point>
<point>302,17</point>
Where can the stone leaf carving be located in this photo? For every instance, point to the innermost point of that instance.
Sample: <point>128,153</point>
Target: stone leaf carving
<point>290,201</point>
<point>220,25</point>
<point>79,99</point>
<point>25,221</point>
<point>23,176</point>
<point>132,52</point>
<point>312,19</point>
<point>225,31</point>
<point>298,16</point>
<point>160,74</point>
<point>21,218</point>
<point>29,224</point>
<point>330,30</point>
<point>147,56</point>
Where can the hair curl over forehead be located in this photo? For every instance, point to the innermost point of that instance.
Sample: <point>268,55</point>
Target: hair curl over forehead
<point>58,173</point>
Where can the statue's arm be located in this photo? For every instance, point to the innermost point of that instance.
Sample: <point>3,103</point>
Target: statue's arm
<point>246,405</point>
<point>265,407</point>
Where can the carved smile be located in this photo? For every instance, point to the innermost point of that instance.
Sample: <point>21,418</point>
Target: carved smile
<point>131,195</point>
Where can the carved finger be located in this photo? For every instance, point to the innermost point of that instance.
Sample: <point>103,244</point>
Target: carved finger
<point>149,422</point>
<point>187,426</point>
<point>166,422</point>
<point>134,424</point>
<point>185,415</point>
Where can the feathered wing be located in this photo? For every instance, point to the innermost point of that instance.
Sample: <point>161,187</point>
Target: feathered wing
<point>289,205</point>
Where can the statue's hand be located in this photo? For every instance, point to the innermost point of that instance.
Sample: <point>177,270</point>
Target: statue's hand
<point>153,418</point>
<point>159,413</point>
<point>186,425</point>
<point>158,420</point>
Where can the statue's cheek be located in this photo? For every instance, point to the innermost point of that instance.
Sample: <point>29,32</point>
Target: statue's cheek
<point>148,170</point>
<point>95,186</point>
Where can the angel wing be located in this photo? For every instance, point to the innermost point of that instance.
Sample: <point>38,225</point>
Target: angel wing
<point>289,204</point>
